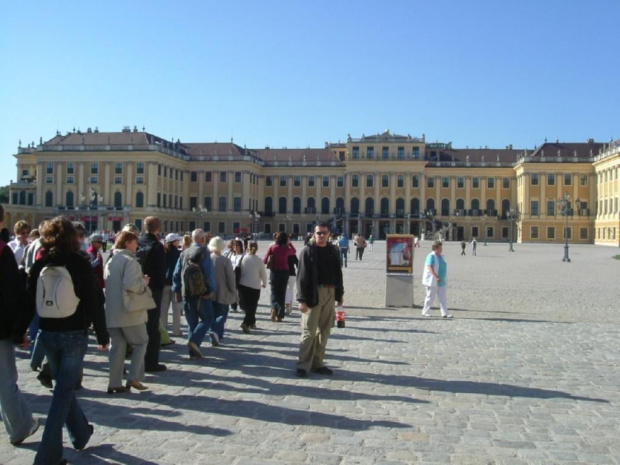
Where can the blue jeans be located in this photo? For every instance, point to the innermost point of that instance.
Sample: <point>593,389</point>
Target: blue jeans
<point>65,354</point>
<point>16,414</point>
<point>199,316</point>
<point>278,280</point>
<point>220,314</point>
<point>344,253</point>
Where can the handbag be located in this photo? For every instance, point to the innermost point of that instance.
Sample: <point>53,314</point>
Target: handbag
<point>138,301</point>
<point>270,262</point>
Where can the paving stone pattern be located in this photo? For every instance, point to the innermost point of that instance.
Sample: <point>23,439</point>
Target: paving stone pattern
<point>526,373</point>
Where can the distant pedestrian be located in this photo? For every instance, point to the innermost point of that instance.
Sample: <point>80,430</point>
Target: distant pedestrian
<point>360,245</point>
<point>253,278</point>
<point>343,245</point>
<point>474,245</point>
<point>435,280</point>
<point>371,241</point>
<point>463,245</point>
<point>278,277</point>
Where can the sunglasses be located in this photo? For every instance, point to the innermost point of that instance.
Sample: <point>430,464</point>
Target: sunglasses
<point>321,233</point>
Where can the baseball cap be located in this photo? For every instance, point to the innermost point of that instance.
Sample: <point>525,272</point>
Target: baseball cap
<point>173,237</point>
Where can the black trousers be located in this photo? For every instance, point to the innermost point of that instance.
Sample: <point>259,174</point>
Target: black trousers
<point>151,358</point>
<point>248,298</point>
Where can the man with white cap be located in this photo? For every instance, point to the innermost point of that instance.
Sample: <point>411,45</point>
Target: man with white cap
<point>172,256</point>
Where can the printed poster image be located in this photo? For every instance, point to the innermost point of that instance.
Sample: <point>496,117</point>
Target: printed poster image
<point>399,251</point>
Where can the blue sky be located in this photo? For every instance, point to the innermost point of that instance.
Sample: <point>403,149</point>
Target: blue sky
<point>299,73</point>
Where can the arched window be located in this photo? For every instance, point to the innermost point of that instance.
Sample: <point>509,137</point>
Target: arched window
<point>139,200</point>
<point>400,207</point>
<point>385,206</point>
<point>505,208</point>
<point>268,205</point>
<point>415,206</point>
<point>282,205</point>
<point>490,205</point>
<point>118,200</point>
<point>325,206</point>
<point>49,199</point>
<point>460,204</point>
<point>355,205</point>
<point>340,205</point>
<point>445,207</point>
<point>297,205</point>
<point>69,199</point>
<point>311,204</point>
<point>370,206</point>
<point>475,204</point>
<point>430,204</point>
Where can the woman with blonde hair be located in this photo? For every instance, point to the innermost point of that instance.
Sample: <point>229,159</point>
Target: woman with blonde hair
<point>226,287</point>
<point>127,326</point>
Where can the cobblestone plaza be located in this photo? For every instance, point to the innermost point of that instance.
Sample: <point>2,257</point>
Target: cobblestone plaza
<point>526,373</point>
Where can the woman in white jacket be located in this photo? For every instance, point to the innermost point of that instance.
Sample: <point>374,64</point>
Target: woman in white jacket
<point>435,279</point>
<point>123,274</point>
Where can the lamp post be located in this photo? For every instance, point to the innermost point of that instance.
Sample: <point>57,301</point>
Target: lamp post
<point>95,200</point>
<point>200,211</point>
<point>513,215</point>
<point>565,207</point>
<point>255,222</point>
<point>429,216</point>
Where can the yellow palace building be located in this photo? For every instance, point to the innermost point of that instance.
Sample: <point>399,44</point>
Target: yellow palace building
<point>376,184</point>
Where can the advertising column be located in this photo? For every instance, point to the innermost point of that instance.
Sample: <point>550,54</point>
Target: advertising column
<point>399,270</point>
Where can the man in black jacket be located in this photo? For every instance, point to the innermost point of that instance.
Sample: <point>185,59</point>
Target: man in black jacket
<point>152,256</point>
<point>16,414</point>
<point>319,285</point>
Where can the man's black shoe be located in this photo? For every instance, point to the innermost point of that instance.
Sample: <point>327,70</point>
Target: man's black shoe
<point>156,368</point>
<point>323,371</point>
<point>301,373</point>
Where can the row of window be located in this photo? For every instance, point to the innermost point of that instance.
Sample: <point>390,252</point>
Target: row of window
<point>70,200</point>
<point>237,176</point>
<point>567,232</point>
<point>94,168</point>
<point>93,179</point>
<point>385,152</point>
<point>430,181</point>
<point>551,207</point>
<point>312,180</point>
<point>608,206</point>
<point>415,206</point>
<point>568,179</point>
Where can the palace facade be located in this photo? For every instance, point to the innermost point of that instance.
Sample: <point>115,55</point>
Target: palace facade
<point>377,184</point>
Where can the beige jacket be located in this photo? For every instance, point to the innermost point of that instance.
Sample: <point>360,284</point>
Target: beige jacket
<point>226,288</point>
<point>122,272</point>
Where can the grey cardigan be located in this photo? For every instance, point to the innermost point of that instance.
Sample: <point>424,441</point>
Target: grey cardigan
<point>122,272</point>
<point>226,288</point>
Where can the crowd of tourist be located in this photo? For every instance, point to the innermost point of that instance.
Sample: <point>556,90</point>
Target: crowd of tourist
<point>57,285</point>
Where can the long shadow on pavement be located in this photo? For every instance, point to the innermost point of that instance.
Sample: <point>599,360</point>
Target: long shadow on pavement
<point>464,387</point>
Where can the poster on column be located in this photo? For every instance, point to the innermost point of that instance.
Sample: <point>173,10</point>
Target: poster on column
<point>399,250</point>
